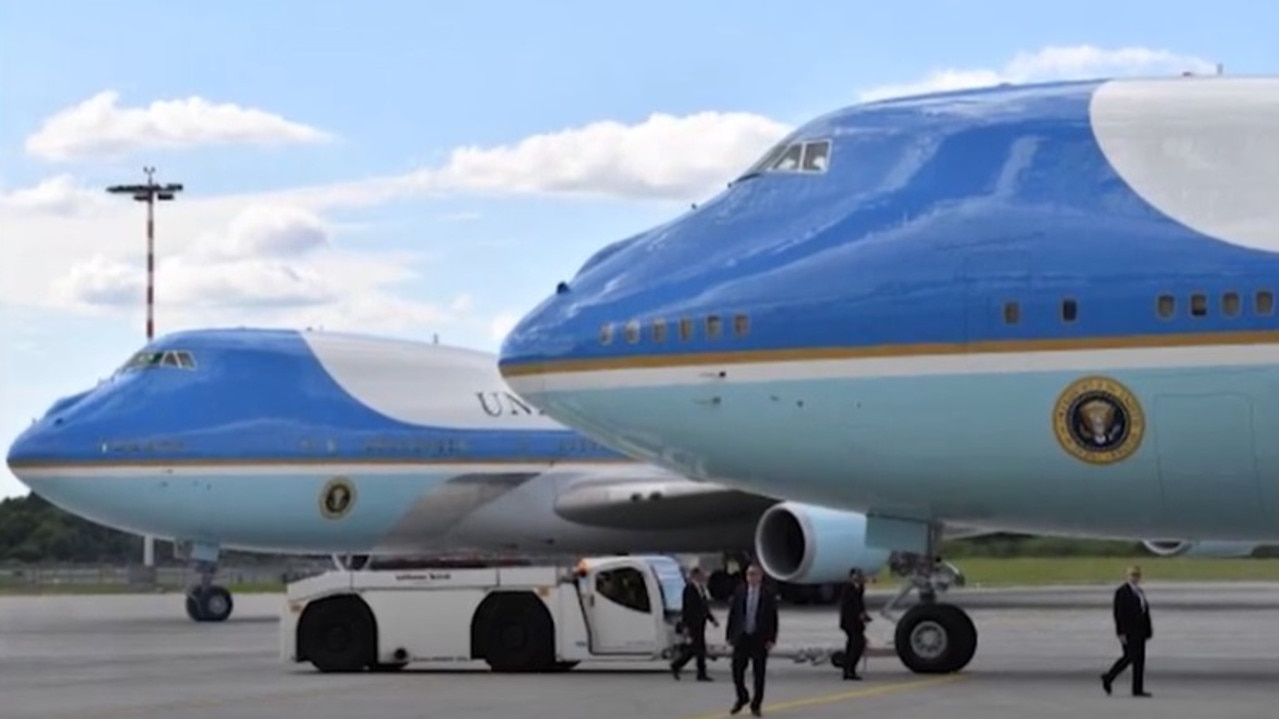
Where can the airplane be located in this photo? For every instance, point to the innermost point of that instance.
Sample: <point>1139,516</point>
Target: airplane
<point>1045,309</point>
<point>313,443</point>
<point>320,443</point>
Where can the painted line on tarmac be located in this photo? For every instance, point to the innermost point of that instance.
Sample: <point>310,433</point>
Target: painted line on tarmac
<point>825,699</point>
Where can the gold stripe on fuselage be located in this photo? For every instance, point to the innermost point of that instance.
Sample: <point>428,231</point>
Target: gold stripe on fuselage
<point>922,349</point>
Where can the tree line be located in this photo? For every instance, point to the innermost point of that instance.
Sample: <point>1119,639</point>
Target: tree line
<point>33,531</point>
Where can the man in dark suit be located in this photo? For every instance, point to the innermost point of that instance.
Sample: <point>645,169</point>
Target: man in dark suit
<point>694,615</point>
<point>1132,624</point>
<point>853,619</point>
<point>752,630</point>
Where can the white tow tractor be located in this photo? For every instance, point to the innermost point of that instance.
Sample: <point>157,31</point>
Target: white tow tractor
<point>517,619</point>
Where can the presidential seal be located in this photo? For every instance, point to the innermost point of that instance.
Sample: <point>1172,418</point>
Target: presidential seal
<point>337,497</point>
<point>1098,420</point>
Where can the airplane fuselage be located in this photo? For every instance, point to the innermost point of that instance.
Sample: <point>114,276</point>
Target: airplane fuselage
<point>278,441</point>
<point>1047,309</point>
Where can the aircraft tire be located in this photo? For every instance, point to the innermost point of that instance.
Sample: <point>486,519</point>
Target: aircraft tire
<point>209,604</point>
<point>519,636</point>
<point>720,585</point>
<point>336,635</point>
<point>935,639</point>
<point>837,659</point>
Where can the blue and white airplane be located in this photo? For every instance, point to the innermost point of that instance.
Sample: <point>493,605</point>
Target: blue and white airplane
<point>326,443</point>
<point>320,443</point>
<point>1046,309</point>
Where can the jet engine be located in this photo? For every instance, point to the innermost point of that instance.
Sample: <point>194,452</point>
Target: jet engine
<point>1178,548</point>
<point>806,544</point>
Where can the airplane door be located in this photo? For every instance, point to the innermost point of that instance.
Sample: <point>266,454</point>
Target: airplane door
<point>621,610</point>
<point>1208,461</point>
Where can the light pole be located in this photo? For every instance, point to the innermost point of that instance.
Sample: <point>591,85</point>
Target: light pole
<point>149,193</point>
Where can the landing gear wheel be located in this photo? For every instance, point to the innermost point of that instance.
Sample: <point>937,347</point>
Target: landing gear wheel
<point>720,585</point>
<point>520,637</point>
<point>935,639</point>
<point>209,604</point>
<point>336,636</point>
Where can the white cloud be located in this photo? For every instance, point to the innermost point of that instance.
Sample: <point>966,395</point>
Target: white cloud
<point>100,127</point>
<point>663,157</point>
<point>57,196</point>
<point>275,265</point>
<point>1051,63</point>
<point>502,325</point>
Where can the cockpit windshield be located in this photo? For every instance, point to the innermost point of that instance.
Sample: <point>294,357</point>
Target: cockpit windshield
<point>151,359</point>
<point>793,156</point>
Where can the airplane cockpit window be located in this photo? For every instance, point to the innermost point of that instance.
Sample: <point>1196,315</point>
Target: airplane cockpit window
<point>816,155</point>
<point>147,359</point>
<point>626,587</point>
<point>789,161</point>
<point>811,156</point>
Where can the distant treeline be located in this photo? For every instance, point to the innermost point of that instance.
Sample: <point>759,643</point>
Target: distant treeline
<point>32,531</point>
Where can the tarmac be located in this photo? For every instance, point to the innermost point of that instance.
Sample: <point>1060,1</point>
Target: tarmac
<point>1215,654</point>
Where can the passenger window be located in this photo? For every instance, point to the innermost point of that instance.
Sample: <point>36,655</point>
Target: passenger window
<point>1012,313</point>
<point>632,332</point>
<point>624,586</point>
<point>741,325</point>
<point>1198,305</point>
<point>1230,304</point>
<point>659,330</point>
<point>1069,310</point>
<point>1166,306</point>
<point>685,329</point>
<point>816,156</point>
<point>789,161</point>
<point>713,327</point>
<point>606,333</point>
<point>1264,302</point>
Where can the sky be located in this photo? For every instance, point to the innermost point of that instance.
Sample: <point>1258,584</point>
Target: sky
<point>427,170</point>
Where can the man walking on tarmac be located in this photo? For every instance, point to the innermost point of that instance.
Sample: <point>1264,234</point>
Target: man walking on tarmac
<point>853,619</point>
<point>695,613</point>
<point>752,630</point>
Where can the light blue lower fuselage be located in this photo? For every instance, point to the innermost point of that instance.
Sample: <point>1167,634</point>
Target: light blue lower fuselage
<point>932,433</point>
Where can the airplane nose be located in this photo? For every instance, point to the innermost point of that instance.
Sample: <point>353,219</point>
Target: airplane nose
<point>25,452</point>
<point>545,334</point>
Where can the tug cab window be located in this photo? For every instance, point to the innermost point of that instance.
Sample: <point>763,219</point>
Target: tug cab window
<point>624,586</point>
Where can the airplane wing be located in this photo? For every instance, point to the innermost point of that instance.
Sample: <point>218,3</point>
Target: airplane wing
<point>655,502</point>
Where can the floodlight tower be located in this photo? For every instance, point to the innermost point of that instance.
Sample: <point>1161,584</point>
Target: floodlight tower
<point>149,193</point>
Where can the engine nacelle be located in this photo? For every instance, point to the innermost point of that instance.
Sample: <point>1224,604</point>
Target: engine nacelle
<point>1178,548</point>
<point>806,544</point>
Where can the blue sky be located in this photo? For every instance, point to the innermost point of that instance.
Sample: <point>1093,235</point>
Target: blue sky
<point>413,169</point>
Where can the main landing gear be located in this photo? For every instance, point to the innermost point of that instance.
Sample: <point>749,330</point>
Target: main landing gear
<point>205,601</point>
<point>931,637</point>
